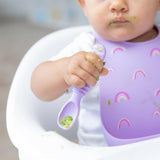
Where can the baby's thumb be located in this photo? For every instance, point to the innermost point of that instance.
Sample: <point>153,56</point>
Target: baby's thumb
<point>104,72</point>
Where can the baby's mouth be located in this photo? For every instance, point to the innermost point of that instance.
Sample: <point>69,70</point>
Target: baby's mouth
<point>118,20</point>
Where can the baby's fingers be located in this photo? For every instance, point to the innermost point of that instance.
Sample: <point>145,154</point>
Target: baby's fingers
<point>76,81</point>
<point>104,72</point>
<point>95,61</point>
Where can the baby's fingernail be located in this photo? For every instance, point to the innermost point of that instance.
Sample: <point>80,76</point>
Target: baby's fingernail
<point>104,72</point>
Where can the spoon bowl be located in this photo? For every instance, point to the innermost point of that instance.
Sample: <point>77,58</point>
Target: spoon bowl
<point>68,115</point>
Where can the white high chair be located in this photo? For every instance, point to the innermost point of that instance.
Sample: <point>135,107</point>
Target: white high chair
<point>32,125</point>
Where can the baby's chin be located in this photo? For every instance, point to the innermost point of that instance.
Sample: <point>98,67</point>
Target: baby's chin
<point>119,38</point>
<point>119,34</point>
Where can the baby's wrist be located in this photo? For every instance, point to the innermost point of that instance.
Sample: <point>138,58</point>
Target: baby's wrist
<point>63,71</point>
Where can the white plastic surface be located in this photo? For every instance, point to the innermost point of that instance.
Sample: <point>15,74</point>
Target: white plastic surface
<point>31,123</point>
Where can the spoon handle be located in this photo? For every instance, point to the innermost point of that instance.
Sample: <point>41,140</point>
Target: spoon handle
<point>81,91</point>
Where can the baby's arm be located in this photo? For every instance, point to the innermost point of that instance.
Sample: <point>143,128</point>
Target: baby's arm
<point>52,78</point>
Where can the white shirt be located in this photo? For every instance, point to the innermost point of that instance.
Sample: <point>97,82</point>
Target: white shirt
<point>89,128</point>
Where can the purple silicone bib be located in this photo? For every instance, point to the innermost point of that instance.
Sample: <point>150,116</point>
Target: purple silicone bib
<point>130,93</point>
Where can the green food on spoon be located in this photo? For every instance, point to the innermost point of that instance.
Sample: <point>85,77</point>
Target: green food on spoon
<point>66,121</point>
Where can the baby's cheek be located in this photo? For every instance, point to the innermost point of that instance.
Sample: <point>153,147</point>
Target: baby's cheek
<point>133,19</point>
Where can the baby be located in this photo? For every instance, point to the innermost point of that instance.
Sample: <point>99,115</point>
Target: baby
<point>126,30</point>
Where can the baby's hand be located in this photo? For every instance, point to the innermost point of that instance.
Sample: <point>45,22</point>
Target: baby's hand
<point>82,68</point>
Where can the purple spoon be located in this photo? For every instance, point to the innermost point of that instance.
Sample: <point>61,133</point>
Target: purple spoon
<point>70,111</point>
<point>71,108</point>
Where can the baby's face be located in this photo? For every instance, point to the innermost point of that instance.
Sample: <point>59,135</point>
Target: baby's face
<point>121,20</point>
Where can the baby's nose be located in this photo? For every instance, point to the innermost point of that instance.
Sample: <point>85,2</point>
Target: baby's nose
<point>118,6</point>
